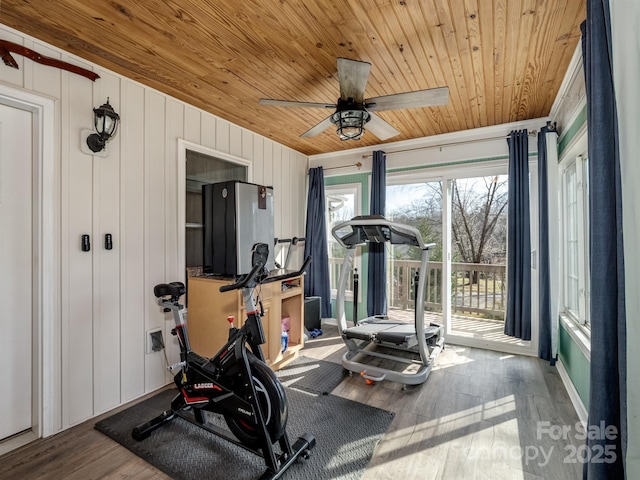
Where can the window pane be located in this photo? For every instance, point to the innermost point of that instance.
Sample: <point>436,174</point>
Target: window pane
<point>418,205</point>
<point>585,234</point>
<point>478,247</point>
<point>572,284</point>
<point>341,205</point>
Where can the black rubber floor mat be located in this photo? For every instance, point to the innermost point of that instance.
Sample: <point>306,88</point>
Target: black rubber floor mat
<point>310,375</point>
<point>346,434</point>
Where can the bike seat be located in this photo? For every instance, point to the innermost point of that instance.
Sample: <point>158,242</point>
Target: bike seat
<point>173,289</point>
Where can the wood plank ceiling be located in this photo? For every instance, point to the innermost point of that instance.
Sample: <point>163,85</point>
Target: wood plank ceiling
<point>503,60</point>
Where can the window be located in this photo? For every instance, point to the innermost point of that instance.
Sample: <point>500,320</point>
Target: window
<point>342,203</point>
<point>575,226</point>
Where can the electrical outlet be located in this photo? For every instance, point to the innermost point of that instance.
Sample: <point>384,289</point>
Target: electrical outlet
<point>157,342</point>
<point>152,340</point>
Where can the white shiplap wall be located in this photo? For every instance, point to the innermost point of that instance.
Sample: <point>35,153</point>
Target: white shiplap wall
<point>105,298</point>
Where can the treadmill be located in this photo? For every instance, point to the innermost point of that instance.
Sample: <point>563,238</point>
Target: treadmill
<point>373,340</point>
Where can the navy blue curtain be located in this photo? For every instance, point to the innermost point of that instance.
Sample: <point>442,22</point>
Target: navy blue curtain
<point>377,274</point>
<point>608,377</point>
<point>518,316</point>
<point>316,282</point>
<point>544,336</point>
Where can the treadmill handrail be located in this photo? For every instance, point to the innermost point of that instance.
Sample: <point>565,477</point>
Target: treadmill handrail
<point>378,221</point>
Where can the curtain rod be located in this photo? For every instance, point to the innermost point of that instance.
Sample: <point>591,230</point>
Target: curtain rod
<point>531,133</point>
<point>357,164</point>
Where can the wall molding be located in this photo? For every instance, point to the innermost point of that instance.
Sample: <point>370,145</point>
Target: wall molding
<point>570,76</point>
<point>183,146</point>
<point>573,134</point>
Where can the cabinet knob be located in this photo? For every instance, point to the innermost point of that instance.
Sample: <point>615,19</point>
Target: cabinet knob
<point>86,243</point>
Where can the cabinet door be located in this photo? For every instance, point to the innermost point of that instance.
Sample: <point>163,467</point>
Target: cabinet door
<point>207,314</point>
<point>90,278</point>
<point>77,265</point>
<point>106,281</point>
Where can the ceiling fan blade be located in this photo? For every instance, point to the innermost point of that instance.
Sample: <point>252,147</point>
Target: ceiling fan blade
<point>292,103</point>
<point>380,128</point>
<point>420,98</point>
<point>318,129</point>
<point>353,76</point>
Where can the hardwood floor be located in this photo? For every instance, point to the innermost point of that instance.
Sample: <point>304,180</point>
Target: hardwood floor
<point>480,415</point>
<point>79,453</point>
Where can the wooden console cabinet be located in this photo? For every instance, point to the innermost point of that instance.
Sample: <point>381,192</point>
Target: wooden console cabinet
<point>208,309</point>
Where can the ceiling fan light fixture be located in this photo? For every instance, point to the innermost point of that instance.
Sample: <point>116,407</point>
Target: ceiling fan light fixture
<point>351,113</point>
<point>350,123</point>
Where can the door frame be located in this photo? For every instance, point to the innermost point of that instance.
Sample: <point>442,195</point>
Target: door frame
<point>183,146</point>
<point>498,167</point>
<point>46,317</point>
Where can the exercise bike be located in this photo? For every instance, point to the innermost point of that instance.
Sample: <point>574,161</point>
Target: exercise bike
<point>236,382</point>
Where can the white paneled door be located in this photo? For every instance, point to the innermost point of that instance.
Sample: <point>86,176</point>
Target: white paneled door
<point>16,270</point>
<point>90,272</point>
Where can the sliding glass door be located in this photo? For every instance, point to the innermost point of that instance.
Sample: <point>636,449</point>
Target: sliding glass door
<point>464,213</point>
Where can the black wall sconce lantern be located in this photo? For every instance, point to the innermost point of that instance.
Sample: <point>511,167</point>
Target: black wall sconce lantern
<point>105,121</point>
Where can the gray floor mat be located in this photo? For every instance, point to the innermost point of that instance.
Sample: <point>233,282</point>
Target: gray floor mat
<point>310,375</point>
<point>346,434</point>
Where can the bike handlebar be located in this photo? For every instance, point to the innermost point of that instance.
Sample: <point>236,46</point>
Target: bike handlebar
<point>245,279</point>
<point>284,276</point>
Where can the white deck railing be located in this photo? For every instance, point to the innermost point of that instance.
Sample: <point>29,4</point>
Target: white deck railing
<point>477,289</point>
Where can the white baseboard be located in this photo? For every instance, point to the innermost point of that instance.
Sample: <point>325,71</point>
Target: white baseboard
<point>573,393</point>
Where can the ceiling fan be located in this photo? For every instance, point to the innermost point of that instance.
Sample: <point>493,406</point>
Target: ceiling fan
<point>353,111</point>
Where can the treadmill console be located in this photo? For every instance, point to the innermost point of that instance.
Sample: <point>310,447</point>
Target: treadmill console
<point>376,229</point>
